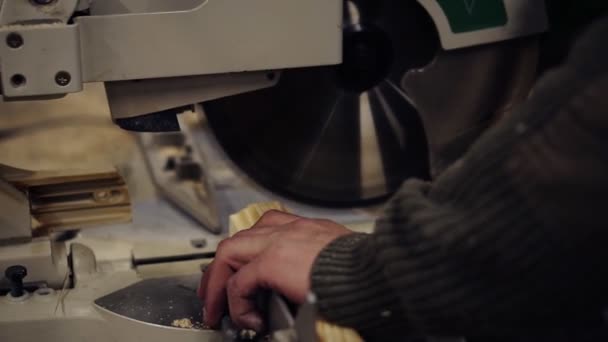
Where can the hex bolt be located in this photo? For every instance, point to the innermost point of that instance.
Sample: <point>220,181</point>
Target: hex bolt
<point>14,40</point>
<point>63,78</point>
<point>15,275</point>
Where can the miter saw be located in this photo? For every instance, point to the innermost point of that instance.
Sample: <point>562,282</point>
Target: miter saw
<point>328,102</point>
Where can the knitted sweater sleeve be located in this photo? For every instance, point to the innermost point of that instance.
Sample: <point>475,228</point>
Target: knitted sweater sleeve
<point>510,239</point>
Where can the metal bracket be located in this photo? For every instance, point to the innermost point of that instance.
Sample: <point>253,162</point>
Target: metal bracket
<point>41,59</point>
<point>178,171</point>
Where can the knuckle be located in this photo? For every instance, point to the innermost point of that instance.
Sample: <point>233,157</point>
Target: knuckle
<point>223,249</point>
<point>222,244</point>
<point>301,223</point>
<point>305,225</point>
<point>274,218</point>
<point>270,216</point>
<point>273,213</point>
<point>242,233</point>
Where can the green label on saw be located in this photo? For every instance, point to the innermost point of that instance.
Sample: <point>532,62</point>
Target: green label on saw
<point>473,15</point>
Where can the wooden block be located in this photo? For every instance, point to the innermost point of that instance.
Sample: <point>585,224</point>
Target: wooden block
<point>247,217</point>
<point>328,332</point>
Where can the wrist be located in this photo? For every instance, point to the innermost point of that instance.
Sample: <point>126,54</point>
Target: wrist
<point>351,289</point>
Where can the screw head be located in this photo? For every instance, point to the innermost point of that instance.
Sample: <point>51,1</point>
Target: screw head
<point>63,78</point>
<point>14,40</point>
<point>18,80</point>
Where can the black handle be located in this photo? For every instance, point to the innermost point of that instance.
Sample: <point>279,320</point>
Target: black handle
<point>15,275</point>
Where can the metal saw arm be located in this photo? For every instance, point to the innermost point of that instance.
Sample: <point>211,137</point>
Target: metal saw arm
<point>186,51</point>
<point>213,37</point>
<point>146,49</point>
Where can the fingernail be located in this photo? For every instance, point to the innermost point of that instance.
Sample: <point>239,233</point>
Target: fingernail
<point>252,321</point>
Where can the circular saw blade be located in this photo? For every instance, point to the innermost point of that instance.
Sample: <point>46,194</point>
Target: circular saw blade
<point>338,135</point>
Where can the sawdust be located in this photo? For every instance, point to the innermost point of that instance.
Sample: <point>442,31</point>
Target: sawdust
<point>184,323</point>
<point>187,323</point>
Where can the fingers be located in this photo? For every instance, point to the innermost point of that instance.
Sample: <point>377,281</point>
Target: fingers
<point>241,292</point>
<point>231,256</point>
<point>202,286</point>
<point>236,251</point>
<point>276,253</point>
<point>279,268</point>
<point>215,293</point>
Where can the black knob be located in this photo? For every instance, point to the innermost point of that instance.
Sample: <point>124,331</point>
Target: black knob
<point>15,275</point>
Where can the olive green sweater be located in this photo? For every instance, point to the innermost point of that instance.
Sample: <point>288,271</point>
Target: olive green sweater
<point>512,240</point>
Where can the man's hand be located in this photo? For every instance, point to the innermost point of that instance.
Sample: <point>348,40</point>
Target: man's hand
<point>277,253</point>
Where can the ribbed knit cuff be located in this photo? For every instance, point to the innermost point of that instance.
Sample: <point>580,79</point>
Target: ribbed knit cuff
<point>352,290</point>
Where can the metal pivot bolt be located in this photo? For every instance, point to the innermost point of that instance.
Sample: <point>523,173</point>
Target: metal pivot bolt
<point>63,78</point>
<point>15,275</point>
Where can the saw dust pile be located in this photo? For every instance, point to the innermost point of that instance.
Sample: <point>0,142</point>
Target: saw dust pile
<point>186,323</point>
